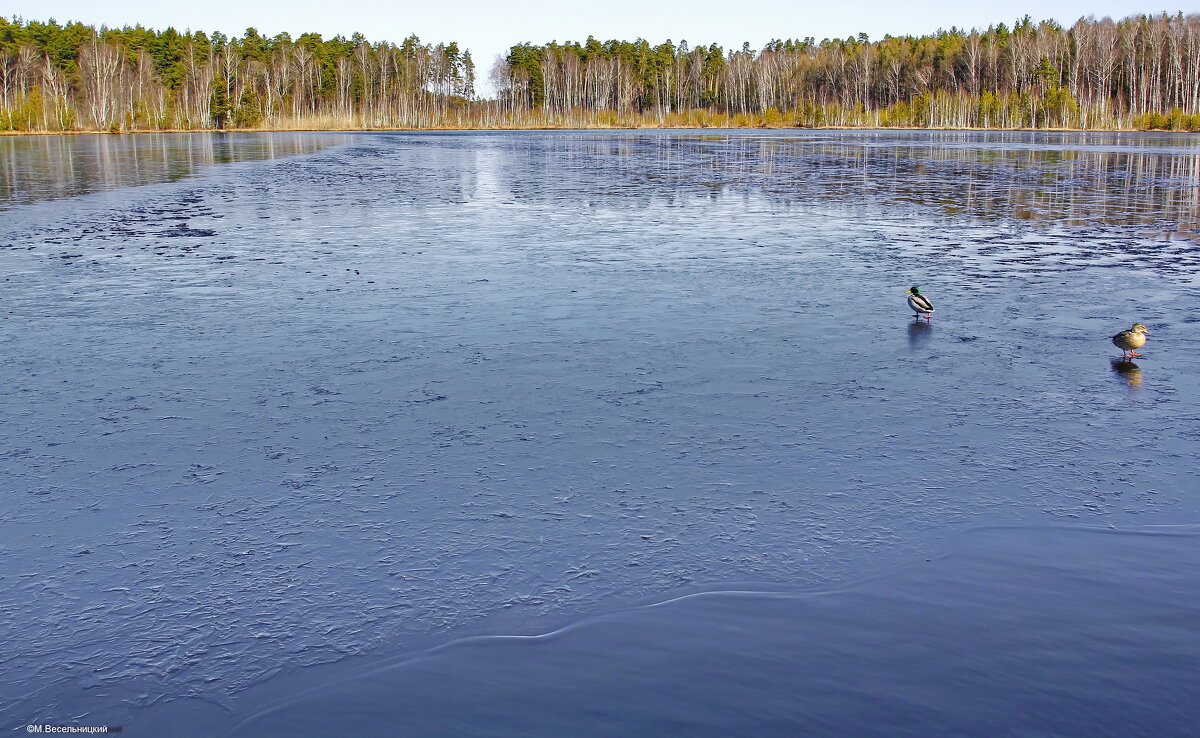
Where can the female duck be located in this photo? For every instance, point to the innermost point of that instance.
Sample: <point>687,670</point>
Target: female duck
<point>919,303</point>
<point>1131,340</point>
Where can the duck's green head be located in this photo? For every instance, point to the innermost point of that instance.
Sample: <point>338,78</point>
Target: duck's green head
<point>1139,328</point>
<point>913,291</point>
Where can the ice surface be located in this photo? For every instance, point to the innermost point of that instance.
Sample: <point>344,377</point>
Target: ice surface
<point>422,386</point>
<point>36,168</point>
<point>1013,632</point>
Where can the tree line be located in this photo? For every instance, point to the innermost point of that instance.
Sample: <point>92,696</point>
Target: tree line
<point>1143,71</point>
<point>1139,72</point>
<point>74,76</point>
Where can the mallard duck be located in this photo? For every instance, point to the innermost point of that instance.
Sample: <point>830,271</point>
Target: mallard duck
<point>1131,340</point>
<point>919,303</point>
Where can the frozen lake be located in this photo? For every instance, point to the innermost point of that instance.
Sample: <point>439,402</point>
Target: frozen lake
<point>282,410</point>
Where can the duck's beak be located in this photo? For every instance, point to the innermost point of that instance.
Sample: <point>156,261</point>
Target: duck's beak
<point>1147,332</point>
<point>908,292</point>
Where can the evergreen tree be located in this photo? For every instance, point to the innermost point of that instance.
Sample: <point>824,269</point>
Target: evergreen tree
<point>219,105</point>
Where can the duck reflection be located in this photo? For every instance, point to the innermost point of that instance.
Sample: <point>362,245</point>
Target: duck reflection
<point>919,333</point>
<point>1127,372</point>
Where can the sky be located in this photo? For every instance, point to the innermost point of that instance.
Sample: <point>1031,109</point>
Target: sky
<point>487,27</point>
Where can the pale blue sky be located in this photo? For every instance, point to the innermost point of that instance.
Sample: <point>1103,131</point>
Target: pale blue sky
<point>487,28</point>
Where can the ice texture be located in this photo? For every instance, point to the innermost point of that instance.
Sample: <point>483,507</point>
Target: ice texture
<point>420,386</point>
<point>1038,630</point>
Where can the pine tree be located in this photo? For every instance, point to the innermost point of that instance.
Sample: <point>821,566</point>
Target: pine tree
<point>219,102</point>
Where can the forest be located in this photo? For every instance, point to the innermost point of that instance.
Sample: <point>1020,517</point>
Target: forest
<point>1142,72</point>
<point>67,77</point>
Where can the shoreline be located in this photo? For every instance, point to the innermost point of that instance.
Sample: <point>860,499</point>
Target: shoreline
<point>100,132</point>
